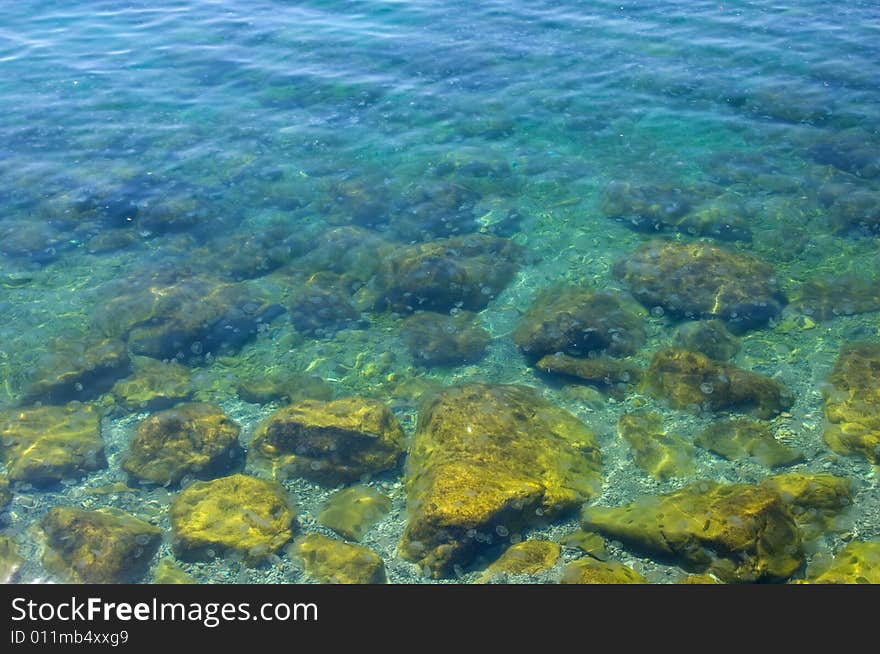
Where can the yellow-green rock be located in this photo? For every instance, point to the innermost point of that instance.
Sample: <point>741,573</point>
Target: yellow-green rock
<point>829,296</point>
<point>852,402</point>
<point>614,375</point>
<point>588,570</point>
<point>738,532</point>
<point>105,546</point>
<point>43,445</point>
<point>330,442</point>
<point>196,440</point>
<point>528,557</point>
<point>816,499</point>
<point>168,572</point>
<point>709,337</point>
<point>352,511</point>
<point>693,381</point>
<point>703,579</point>
<point>238,514</point>
<point>857,563</point>
<point>740,439</point>
<point>10,559</point>
<point>487,461</point>
<point>659,454</point>
<point>587,542</point>
<point>154,385</point>
<point>278,385</point>
<point>330,561</point>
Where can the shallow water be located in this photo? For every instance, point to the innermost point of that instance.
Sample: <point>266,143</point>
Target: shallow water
<point>258,145</point>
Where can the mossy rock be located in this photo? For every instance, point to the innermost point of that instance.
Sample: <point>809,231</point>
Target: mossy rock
<point>693,381</point>
<point>154,385</point>
<point>587,542</point>
<point>330,561</point>
<point>105,546</point>
<point>852,402</point>
<point>740,439</point>
<point>830,296</point>
<point>488,461</point>
<point>196,440</point>
<point>659,454</point>
<point>322,305</point>
<point>709,337</point>
<point>614,376</point>
<point>281,385</point>
<point>168,572</point>
<point>857,563</point>
<point>330,442</point>
<point>441,339</point>
<point>351,512</point>
<point>588,570</point>
<point>699,280</point>
<point>77,369</point>
<point>580,322</point>
<point>464,272</point>
<point>856,213</point>
<point>239,515</point>
<point>739,532</point>
<point>43,445</point>
<point>5,493</point>
<point>817,500</point>
<point>10,560</point>
<point>529,558</point>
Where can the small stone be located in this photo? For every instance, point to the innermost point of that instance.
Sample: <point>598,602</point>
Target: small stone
<point>587,542</point>
<point>154,385</point>
<point>351,512</point>
<point>168,572</point>
<point>330,561</point>
<point>588,570</point>
<point>709,337</point>
<point>528,557</point>
<point>659,454</point>
<point>613,375</point>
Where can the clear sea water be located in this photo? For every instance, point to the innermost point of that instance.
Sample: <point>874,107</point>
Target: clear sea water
<point>228,140</point>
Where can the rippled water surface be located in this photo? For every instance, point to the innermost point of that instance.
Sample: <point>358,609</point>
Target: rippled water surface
<point>252,205</point>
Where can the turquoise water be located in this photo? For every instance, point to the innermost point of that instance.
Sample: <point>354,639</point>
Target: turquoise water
<point>228,155</point>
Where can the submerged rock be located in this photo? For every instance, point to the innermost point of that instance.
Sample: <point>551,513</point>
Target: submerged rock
<point>856,213</point>
<point>817,500</point>
<point>693,381</point>
<point>280,384</point>
<point>587,570</point>
<point>830,296</point>
<point>857,563</point>
<point>434,209</point>
<point>614,375</point>
<point>736,531</point>
<point>322,305</point>
<point>331,442</point>
<point>240,515</point>
<point>45,445</point>
<point>154,385</point>
<point>168,572</point>
<point>740,439</point>
<point>332,561</point>
<point>659,454</point>
<point>441,339</point>
<point>709,337</point>
<point>529,557</point>
<point>488,461</point>
<point>351,512</point>
<point>587,542</point>
<point>10,559</point>
<point>699,280</point>
<point>464,272</point>
<point>852,402</point>
<point>579,322</point>
<point>853,151</point>
<point>190,440</point>
<point>77,369</point>
<point>5,493</point>
<point>105,546</point>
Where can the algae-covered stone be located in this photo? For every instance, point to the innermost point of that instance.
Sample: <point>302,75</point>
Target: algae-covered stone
<point>280,384</point>
<point>196,440</point>
<point>817,500</point>
<point>105,546</point>
<point>322,305</point>
<point>857,563</point>
<point>10,560</point>
<point>238,514</point>
<point>168,572</point>
<point>587,542</point>
<point>693,381</point>
<point>351,512</point>
<point>830,296</point>
<point>77,369</point>
<point>528,557</point>
<point>43,445</point>
<point>739,532</point>
<point>588,570</point>
<point>856,213</point>
<point>332,561</point>
<point>154,385</point>
<point>740,439</point>
<point>487,461</point>
<point>5,493</point>
<point>699,280</point>
<point>852,402</point>
<point>709,337</point>
<point>461,272</point>
<point>659,454</point>
<point>440,339</point>
<point>580,322</point>
<point>334,442</point>
<point>701,580</point>
<point>613,375</point>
